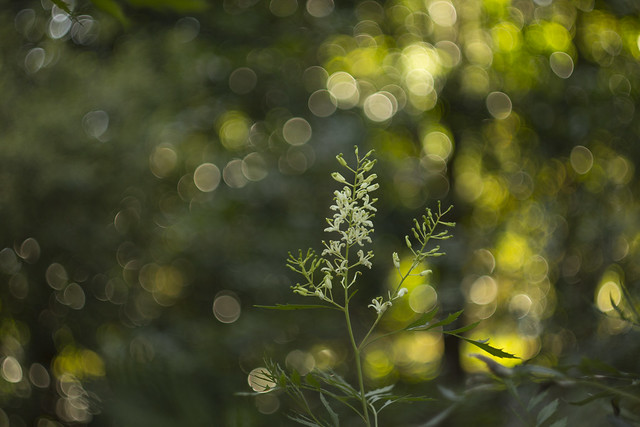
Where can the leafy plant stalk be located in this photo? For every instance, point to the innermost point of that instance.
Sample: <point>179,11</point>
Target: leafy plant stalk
<point>339,265</point>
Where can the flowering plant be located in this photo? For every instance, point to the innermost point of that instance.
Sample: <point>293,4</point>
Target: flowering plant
<point>332,276</point>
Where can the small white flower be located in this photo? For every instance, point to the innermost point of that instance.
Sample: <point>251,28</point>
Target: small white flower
<point>364,259</point>
<point>379,306</point>
<point>402,292</point>
<point>425,272</point>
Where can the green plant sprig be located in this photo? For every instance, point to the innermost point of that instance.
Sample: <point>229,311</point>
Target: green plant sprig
<point>338,266</point>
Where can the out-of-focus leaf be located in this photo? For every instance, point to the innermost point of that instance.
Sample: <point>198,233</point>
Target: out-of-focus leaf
<point>546,412</point>
<point>333,379</point>
<point>112,8</point>
<point>312,381</point>
<point>62,5</point>
<point>180,6</point>
<point>334,416</point>
<point>537,399</point>
<point>562,422</point>
<point>295,378</point>
<point>379,391</point>
<point>301,419</point>
<point>590,399</point>
<point>434,421</point>
<point>294,306</point>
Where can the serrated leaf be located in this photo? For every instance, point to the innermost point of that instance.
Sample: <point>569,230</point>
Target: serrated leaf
<point>295,307</point>
<point>497,352</point>
<point>332,413</point>
<point>537,399</point>
<point>546,412</point>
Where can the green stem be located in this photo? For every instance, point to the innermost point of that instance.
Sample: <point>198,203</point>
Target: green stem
<point>356,354</point>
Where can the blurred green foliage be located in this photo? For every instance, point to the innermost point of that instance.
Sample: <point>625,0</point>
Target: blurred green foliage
<point>159,159</point>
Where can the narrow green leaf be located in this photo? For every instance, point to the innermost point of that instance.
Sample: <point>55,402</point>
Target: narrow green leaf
<point>560,423</point>
<point>295,378</point>
<point>424,319</point>
<point>591,399</point>
<point>294,307</point>
<point>379,391</point>
<point>449,319</point>
<point>62,5</point>
<point>334,417</point>
<point>312,381</point>
<point>180,6</point>
<point>435,421</point>
<point>537,399</point>
<point>464,328</point>
<point>486,347</point>
<point>450,394</point>
<point>546,412</point>
<point>113,9</point>
<point>303,420</point>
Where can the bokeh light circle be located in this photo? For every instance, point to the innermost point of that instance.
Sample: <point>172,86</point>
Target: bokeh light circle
<point>206,177</point>
<point>581,159</point>
<point>561,64</point>
<point>499,105</point>
<point>226,307</point>
<point>296,131</point>
<point>259,381</point>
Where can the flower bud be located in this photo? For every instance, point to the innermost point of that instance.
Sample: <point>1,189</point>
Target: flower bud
<point>327,282</point>
<point>402,292</point>
<point>341,160</point>
<point>406,238</point>
<point>425,272</point>
<point>396,259</point>
<point>338,177</point>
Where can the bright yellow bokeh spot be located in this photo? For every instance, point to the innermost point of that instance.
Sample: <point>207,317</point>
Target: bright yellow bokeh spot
<point>377,364</point>
<point>557,37</point>
<point>365,62</point>
<point>506,37</point>
<point>610,288</point>
<point>81,363</point>
<point>421,56</point>
<point>494,193</point>
<point>511,252</point>
<point>419,353</point>
<point>606,292</point>
<point>233,129</point>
